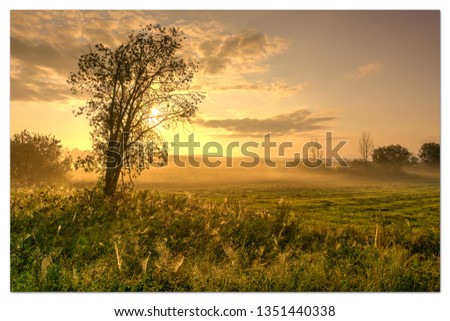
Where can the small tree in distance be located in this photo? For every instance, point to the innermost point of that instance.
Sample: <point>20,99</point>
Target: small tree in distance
<point>365,146</point>
<point>37,159</point>
<point>392,156</point>
<point>430,154</point>
<point>136,87</point>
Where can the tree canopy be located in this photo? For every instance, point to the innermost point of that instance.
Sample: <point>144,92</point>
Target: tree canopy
<point>392,155</point>
<point>37,159</point>
<point>135,88</point>
<point>430,153</point>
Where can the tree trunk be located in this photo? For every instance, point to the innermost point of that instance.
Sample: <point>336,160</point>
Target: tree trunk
<point>111,179</point>
<point>113,167</point>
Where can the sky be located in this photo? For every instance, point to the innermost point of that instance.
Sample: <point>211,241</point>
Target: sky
<point>296,74</point>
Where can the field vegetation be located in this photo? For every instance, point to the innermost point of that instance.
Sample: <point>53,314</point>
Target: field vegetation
<point>253,237</point>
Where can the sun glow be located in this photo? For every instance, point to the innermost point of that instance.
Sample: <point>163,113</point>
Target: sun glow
<point>155,114</point>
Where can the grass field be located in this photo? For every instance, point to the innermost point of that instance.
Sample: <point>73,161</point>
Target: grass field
<point>383,237</point>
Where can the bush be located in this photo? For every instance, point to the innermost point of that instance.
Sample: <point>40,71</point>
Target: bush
<point>37,159</point>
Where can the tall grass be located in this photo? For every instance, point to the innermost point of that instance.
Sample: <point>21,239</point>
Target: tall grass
<point>147,241</point>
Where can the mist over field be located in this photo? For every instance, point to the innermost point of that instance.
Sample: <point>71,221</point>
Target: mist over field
<point>173,177</point>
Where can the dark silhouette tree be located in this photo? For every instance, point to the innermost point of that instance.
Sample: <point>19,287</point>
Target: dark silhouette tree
<point>430,154</point>
<point>392,156</point>
<point>37,159</point>
<point>365,146</point>
<point>134,88</point>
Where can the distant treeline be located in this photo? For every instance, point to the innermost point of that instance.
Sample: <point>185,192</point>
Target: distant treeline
<point>38,159</point>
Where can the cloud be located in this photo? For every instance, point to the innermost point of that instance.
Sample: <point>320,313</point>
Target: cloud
<point>45,46</point>
<point>366,70</point>
<point>276,88</point>
<point>42,54</point>
<point>53,40</point>
<point>31,82</point>
<point>227,59</point>
<point>243,51</point>
<point>299,121</point>
<point>37,91</point>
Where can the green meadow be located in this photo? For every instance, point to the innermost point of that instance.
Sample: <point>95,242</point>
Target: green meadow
<point>253,237</point>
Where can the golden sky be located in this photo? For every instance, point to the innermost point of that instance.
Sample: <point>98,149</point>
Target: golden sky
<point>296,74</point>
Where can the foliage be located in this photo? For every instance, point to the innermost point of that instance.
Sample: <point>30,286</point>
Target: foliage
<point>430,154</point>
<point>392,155</point>
<point>37,159</point>
<point>136,87</point>
<point>375,238</point>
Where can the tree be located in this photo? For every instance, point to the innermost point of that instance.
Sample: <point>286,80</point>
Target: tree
<point>134,88</point>
<point>392,155</point>
<point>430,154</point>
<point>365,146</point>
<point>315,157</point>
<point>37,158</point>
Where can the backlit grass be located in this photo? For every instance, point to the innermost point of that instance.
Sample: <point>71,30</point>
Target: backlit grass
<point>261,238</point>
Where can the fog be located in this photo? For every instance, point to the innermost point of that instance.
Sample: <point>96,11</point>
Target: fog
<point>173,177</point>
